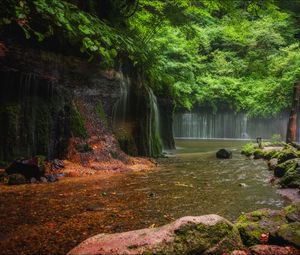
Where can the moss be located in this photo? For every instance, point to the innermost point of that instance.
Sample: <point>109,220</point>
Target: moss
<point>194,239</point>
<point>77,123</point>
<point>290,233</point>
<point>101,113</point>
<point>258,154</point>
<point>248,149</point>
<point>270,154</point>
<point>287,154</point>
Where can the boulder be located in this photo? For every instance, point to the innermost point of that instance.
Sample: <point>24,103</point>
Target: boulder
<point>28,168</point>
<point>289,234</point>
<point>272,250</point>
<point>264,221</point>
<point>224,154</point>
<point>209,234</point>
<point>16,179</point>
<point>287,154</point>
<point>292,212</point>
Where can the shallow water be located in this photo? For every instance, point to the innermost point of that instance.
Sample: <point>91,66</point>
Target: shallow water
<point>194,182</point>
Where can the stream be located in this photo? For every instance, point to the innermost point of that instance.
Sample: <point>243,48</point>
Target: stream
<point>194,182</point>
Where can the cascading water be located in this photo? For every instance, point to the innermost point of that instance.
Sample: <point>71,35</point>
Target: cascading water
<point>222,125</point>
<point>121,106</point>
<point>155,144</point>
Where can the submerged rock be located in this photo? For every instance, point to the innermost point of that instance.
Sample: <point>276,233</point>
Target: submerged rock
<point>224,154</point>
<point>209,234</point>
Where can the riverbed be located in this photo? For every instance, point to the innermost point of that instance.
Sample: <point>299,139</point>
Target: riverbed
<point>53,218</point>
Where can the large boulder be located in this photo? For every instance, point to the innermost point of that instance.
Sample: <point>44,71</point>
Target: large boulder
<point>29,168</point>
<point>280,226</point>
<point>224,154</point>
<point>209,234</point>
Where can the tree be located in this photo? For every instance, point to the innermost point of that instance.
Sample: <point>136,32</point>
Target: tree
<point>292,124</point>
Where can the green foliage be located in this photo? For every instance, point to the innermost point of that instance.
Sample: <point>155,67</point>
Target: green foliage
<point>246,58</point>
<point>241,54</point>
<point>48,18</point>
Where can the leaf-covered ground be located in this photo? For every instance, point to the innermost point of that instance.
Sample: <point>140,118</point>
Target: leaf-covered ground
<point>54,218</point>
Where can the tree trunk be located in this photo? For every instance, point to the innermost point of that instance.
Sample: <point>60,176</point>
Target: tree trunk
<point>292,124</point>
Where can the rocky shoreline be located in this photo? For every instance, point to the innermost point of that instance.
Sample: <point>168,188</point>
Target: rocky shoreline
<point>264,232</point>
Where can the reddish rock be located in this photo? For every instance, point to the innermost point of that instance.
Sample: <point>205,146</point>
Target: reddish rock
<point>240,252</point>
<point>209,234</point>
<point>273,250</point>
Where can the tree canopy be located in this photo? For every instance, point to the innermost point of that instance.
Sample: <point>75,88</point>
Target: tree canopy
<point>243,55</point>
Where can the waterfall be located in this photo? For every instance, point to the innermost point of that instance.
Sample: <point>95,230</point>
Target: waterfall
<point>207,125</point>
<point>121,106</point>
<point>155,143</point>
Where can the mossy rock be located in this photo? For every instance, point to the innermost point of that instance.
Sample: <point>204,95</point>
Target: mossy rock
<point>258,154</point>
<point>287,154</point>
<point>270,154</point>
<point>208,234</point>
<point>291,178</point>
<point>289,234</point>
<point>252,225</point>
<point>292,212</point>
<point>281,169</point>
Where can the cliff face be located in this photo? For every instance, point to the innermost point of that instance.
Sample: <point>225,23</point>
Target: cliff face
<point>62,106</point>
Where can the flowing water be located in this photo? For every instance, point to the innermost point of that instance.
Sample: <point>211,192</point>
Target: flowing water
<point>194,182</point>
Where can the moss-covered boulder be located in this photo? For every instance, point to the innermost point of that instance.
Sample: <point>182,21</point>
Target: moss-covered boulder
<point>281,226</point>
<point>281,169</point>
<point>289,172</point>
<point>292,212</point>
<point>263,221</point>
<point>289,234</point>
<point>210,234</point>
<point>258,154</point>
<point>287,154</point>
